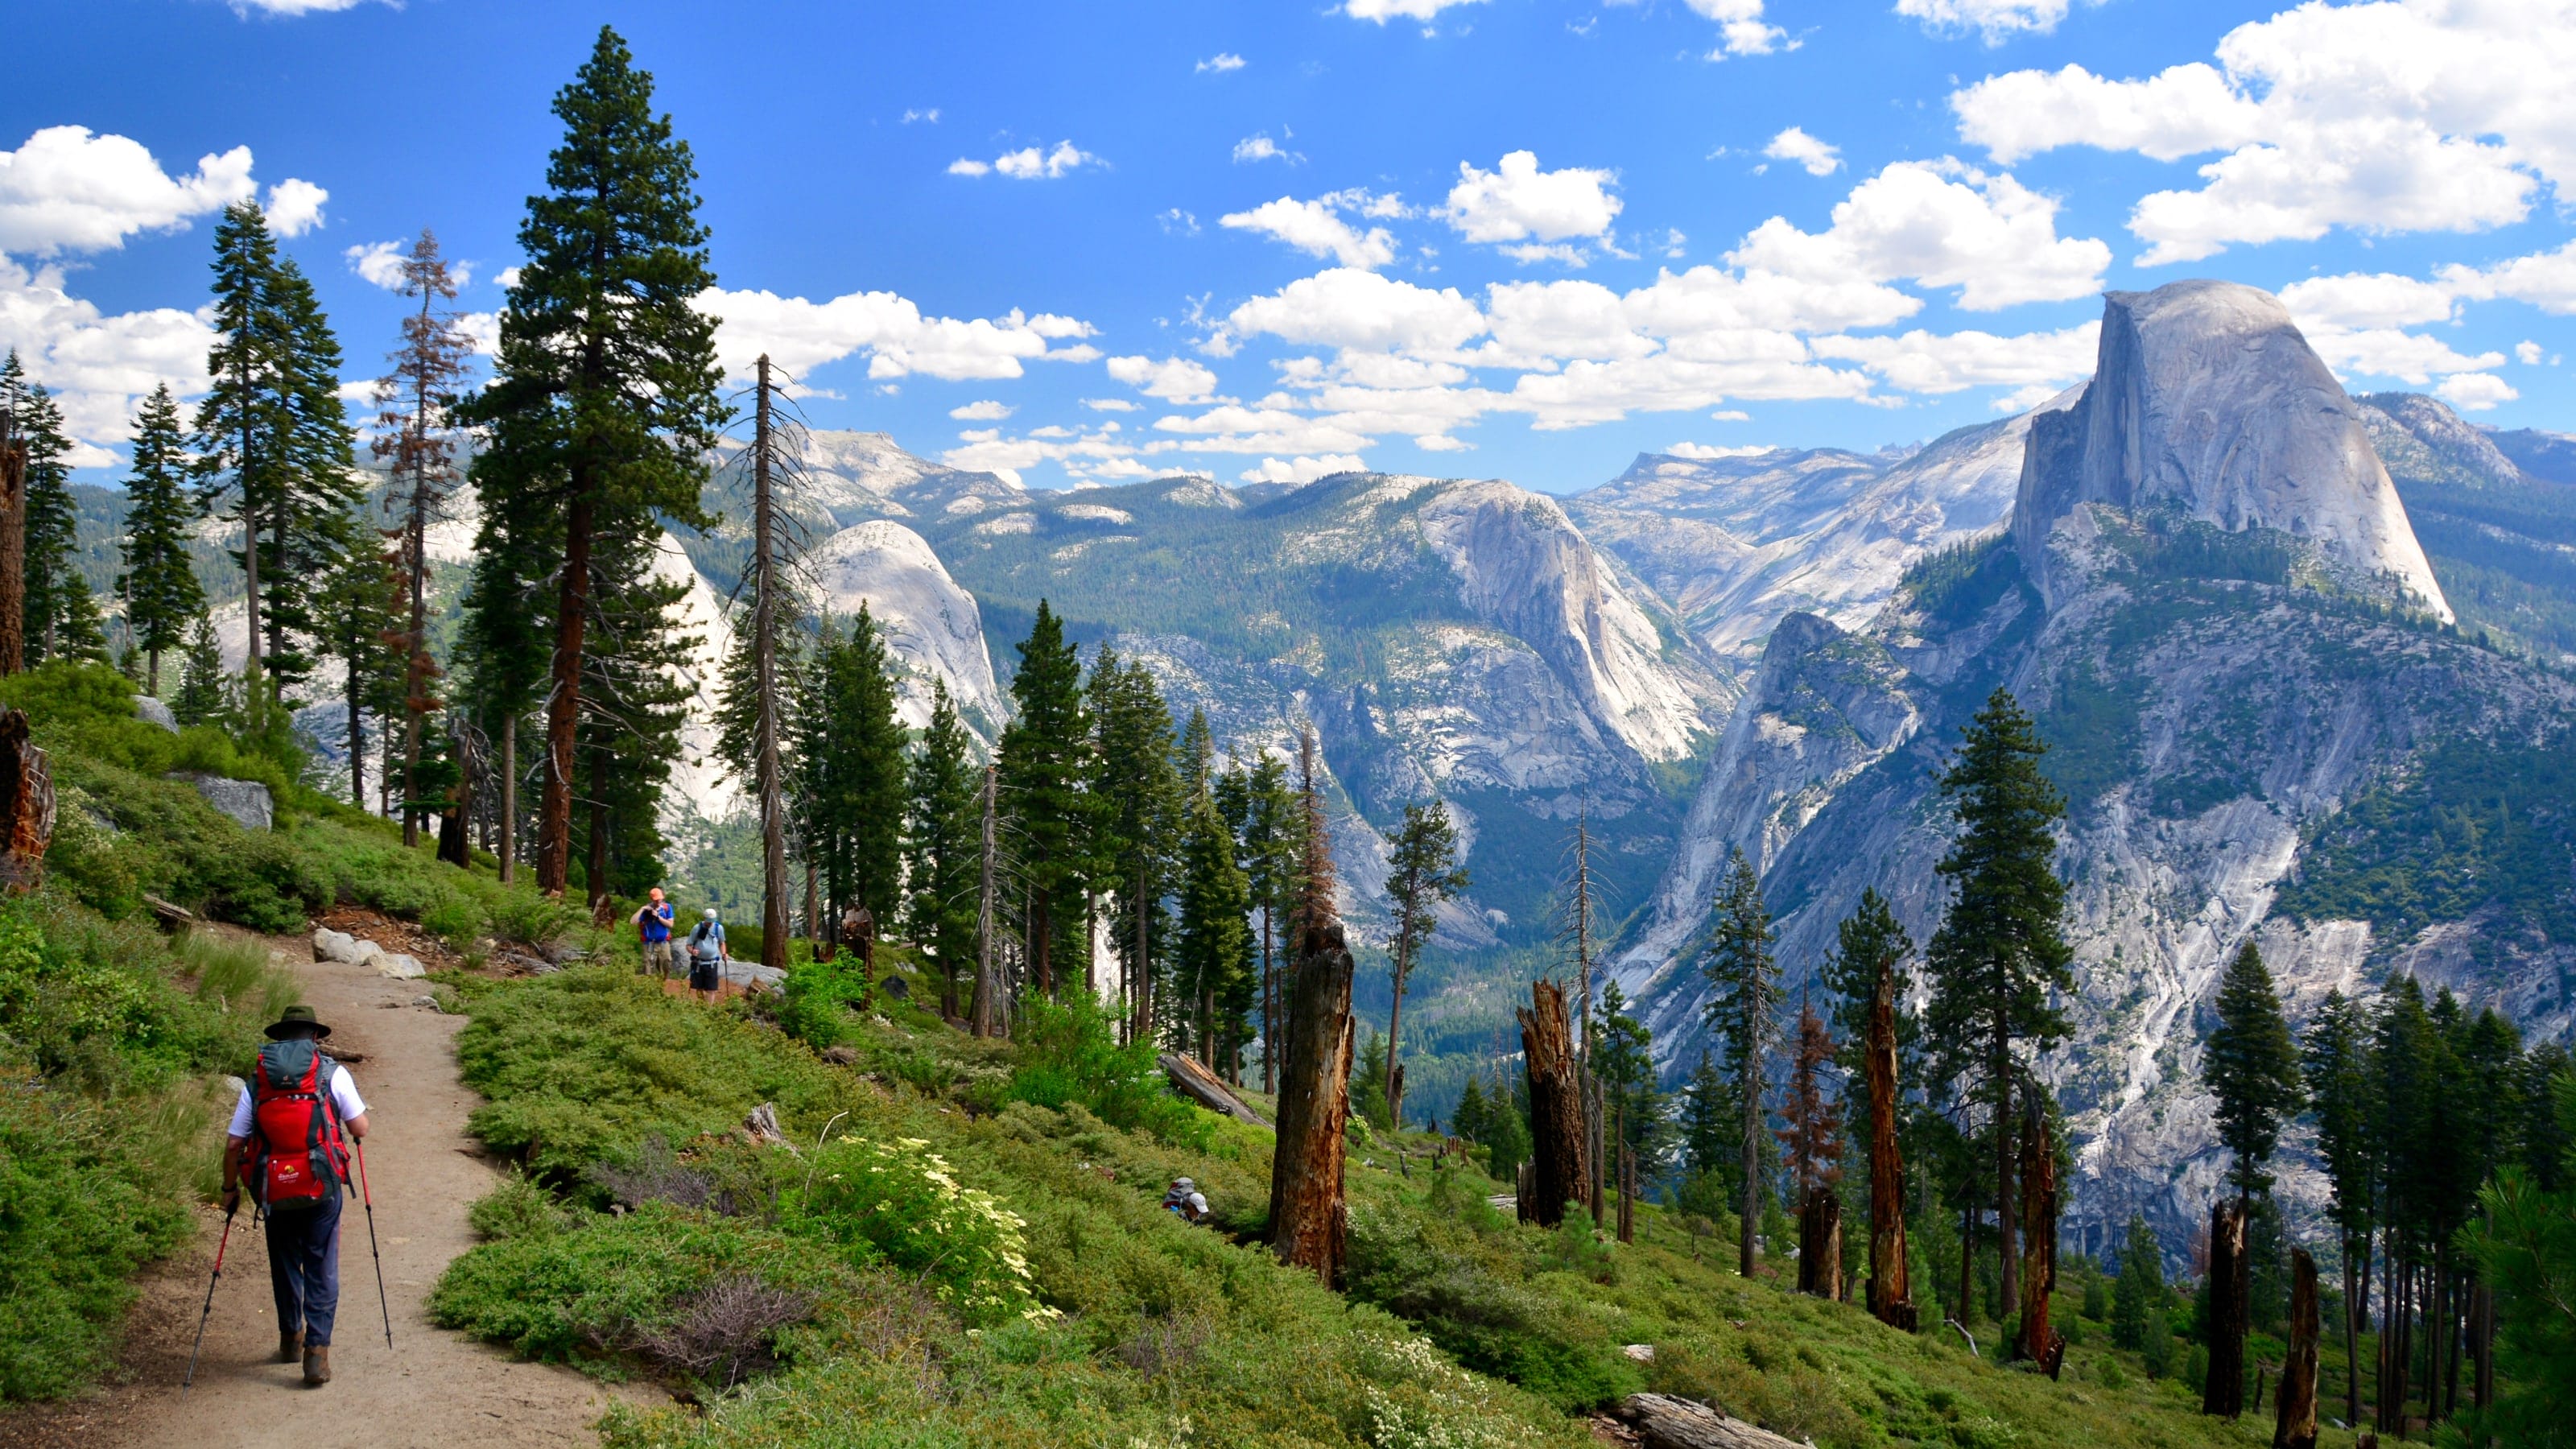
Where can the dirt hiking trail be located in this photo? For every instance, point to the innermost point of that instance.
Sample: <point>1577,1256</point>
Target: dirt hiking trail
<point>434,1389</point>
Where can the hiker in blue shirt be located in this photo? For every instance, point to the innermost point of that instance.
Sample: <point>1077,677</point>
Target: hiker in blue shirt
<point>653,932</point>
<point>707,956</point>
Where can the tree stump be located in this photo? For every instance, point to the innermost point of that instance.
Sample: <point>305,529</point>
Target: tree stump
<point>26,805</point>
<point>1820,1244</point>
<point>2296,1426</point>
<point>1309,1220</point>
<point>2230,1280</point>
<point>1556,1108</point>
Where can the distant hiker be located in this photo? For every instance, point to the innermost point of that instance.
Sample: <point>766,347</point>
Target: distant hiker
<point>1184,1199</point>
<point>707,956</point>
<point>287,1138</point>
<point>653,933</point>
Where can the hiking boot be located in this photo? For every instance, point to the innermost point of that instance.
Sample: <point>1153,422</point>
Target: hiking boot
<point>317,1366</point>
<point>290,1345</point>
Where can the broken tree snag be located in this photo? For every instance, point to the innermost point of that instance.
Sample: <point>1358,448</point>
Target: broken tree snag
<point>761,1127</point>
<point>1558,1171</point>
<point>2039,1343</point>
<point>13,548</point>
<point>26,805</point>
<point>2229,1279</point>
<point>1820,1244</point>
<point>2296,1428</point>
<point>1308,1218</point>
<point>1665,1422</point>
<point>1891,1289</point>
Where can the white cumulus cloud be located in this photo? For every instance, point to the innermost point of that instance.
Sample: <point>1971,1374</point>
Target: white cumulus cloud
<point>1313,227</point>
<point>295,207</point>
<point>1817,158</point>
<point>1740,27</point>
<point>1943,225</point>
<point>2475,392</point>
<point>379,263</point>
<point>1383,11</point>
<point>1303,470</point>
<point>2397,116</point>
<point>985,410</point>
<point>67,189</point>
<point>1221,62</point>
<point>1350,308</point>
<point>1259,147</point>
<point>1029,163</point>
<point>1518,202</point>
<point>1174,379</point>
<point>801,335</point>
<point>1996,20</point>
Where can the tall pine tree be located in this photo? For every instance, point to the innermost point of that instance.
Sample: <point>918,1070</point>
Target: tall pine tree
<point>1044,763</point>
<point>55,593</point>
<point>603,405</point>
<point>943,846</point>
<point>1999,953</point>
<point>1742,1009</point>
<point>162,594</point>
<point>1422,871</point>
<point>1140,812</point>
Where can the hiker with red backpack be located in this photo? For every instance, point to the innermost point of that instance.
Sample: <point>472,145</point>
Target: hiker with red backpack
<point>291,1135</point>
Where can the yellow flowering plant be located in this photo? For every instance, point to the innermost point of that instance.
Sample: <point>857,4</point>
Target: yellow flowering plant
<point>898,1204</point>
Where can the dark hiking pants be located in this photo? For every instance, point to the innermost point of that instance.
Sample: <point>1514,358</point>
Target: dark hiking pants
<point>304,1269</point>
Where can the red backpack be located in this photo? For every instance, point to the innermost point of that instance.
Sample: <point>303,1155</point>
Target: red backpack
<point>300,1156</point>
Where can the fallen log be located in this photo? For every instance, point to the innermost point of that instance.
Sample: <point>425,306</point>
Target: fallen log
<point>1205,1088</point>
<point>1665,1422</point>
<point>172,916</point>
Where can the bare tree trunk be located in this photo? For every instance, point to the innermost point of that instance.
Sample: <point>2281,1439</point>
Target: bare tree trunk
<point>2352,1309</point>
<point>26,805</point>
<point>13,549</point>
<point>2007,1247</point>
<point>2229,1278</point>
<point>2040,1343</point>
<point>987,1010</point>
<point>1309,1220</point>
<point>1627,1191</point>
<point>1820,1244</point>
<point>563,706</point>
<point>1967,1259</point>
<point>358,742</point>
<point>1269,1011</point>
<point>1557,1136</point>
<point>1394,1083</point>
<point>1891,1288</point>
<point>509,796</point>
<point>2296,1426</point>
<point>1143,1030</point>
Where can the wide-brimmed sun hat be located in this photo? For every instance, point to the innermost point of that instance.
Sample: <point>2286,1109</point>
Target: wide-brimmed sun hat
<point>294,1016</point>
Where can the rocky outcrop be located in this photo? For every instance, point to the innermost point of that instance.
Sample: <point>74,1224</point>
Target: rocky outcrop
<point>245,802</point>
<point>153,712</point>
<point>2207,401</point>
<point>932,626</point>
<point>2420,440</point>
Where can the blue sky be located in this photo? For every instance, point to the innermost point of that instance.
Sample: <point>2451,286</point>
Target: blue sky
<point>1516,238</point>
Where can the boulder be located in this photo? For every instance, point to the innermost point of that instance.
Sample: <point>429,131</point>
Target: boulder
<point>246,802</point>
<point>397,966</point>
<point>153,711</point>
<point>330,945</point>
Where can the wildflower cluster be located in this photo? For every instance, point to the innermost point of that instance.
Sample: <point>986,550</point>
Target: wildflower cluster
<point>899,1204</point>
<point>1427,1402</point>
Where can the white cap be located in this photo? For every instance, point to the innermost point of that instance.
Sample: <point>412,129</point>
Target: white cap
<point>1198,1200</point>
<point>711,913</point>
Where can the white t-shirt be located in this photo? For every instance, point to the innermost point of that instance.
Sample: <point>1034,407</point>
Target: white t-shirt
<point>344,1100</point>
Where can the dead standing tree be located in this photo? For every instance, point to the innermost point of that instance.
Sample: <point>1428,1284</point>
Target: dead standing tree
<point>2224,1393</point>
<point>428,371</point>
<point>1812,1143</point>
<point>2039,1343</point>
<point>1309,1219</point>
<point>1558,1170</point>
<point>2296,1424</point>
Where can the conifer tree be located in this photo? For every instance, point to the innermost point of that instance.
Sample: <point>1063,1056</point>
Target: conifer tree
<point>1623,1062</point>
<point>313,524</point>
<point>1811,1130</point>
<point>200,699</point>
<point>603,404</point>
<point>49,547</point>
<point>853,793</point>
<point>1742,1006</point>
<point>1138,810</point>
<point>1422,871</point>
<point>1044,763</point>
<point>942,846</point>
<point>2139,1293</point>
<point>2335,1068</point>
<point>634,705</point>
<point>1262,810</point>
<point>2252,1068</point>
<point>1999,953</point>
<point>1210,957</point>
<point>81,634</point>
<point>362,625</point>
<point>162,595</point>
<point>1467,1119</point>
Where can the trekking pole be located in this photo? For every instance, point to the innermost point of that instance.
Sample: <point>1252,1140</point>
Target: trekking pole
<point>369,1199</point>
<point>209,1311</point>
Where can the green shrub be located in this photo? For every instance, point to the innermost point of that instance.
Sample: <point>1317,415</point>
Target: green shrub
<point>898,1203</point>
<point>518,1208</point>
<point>816,1003</point>
<point>529,918</point>
<point>1070,1053</point>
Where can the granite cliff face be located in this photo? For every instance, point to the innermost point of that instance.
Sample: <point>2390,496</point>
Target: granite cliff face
<point>2214,604</point>
<point>2206,400</point>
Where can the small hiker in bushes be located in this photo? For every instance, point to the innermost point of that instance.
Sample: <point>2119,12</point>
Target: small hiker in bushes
<point>290,1138</point>
<point>653,932</point>
<point>707,956</point>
